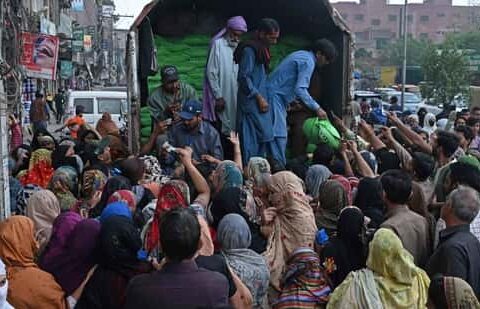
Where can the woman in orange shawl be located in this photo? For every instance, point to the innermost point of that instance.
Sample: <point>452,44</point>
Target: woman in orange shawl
<point>29,286</point>
<point>292,224</point>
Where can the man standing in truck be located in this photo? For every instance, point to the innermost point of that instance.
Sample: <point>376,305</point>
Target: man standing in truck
<point>254,119</point>
<point>167,100</point>
<point>221,87</point>
<point>289,83</point>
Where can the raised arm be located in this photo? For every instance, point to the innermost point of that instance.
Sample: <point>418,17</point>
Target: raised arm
<point>410,134</point>
<point>200,184</point>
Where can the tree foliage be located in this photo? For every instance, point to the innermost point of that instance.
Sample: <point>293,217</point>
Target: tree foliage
<point>445,70</point>
<point>393,53</point>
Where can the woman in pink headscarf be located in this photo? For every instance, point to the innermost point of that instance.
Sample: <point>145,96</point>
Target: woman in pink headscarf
<point>220,85</point>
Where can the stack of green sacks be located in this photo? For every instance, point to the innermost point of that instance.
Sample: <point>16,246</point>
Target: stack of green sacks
<point>320,131</point>
<point>145,124</point>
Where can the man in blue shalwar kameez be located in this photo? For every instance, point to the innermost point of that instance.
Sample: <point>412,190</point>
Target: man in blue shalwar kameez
<point>254,116</point>
<point>289,83</point>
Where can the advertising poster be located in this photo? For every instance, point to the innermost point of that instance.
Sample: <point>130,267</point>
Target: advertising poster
<point>77,43</point>
<point>65,50</point>
<point>40,55</point>
<point>66,69</point>
<point>87,43</point>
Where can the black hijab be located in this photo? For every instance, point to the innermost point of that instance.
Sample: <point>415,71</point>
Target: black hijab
<point>120,243</point>
<point>113,184</point>
<point>369,200</point>
<point>233,200</point>
<point>348,249</point>
<point>59,159</point>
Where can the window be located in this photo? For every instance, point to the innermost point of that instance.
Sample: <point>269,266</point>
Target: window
<point>423,36</point>
<point>424,18</point>
<point>409,18</point>
<point>440,14</point>
<point>110,105</point>
<point>376,22</point>
<point>392,18</point>
<point>87,103</point>
<point>381,43</point>
<point>359,17</point>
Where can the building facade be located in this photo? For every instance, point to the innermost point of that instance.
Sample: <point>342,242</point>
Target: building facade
<point>376,23</point>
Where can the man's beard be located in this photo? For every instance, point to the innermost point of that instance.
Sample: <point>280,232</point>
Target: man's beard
<point>232,43</point>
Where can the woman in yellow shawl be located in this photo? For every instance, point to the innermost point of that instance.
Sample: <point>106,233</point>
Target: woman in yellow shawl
<point>292,225</point>
<point>391,279</point>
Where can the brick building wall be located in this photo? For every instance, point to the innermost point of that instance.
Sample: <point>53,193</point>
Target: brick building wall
<point>375,23</point>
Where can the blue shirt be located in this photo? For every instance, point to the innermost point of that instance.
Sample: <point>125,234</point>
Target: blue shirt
<point>205,140</point>
<point>290,81</point>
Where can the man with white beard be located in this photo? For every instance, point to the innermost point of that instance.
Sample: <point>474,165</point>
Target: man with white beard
<point>220,85</point>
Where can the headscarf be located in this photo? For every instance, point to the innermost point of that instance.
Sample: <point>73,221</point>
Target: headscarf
<point>59,157</point>
<point>294,225</point>
<point>426,123</point>
<point>182,187</point>
<point>236,23</point>
<point>92,181</point>
<point>234,236</point>
<point>347,251</point>
<point>153,171</point>
<point>232,200</point>
<point>233,232</point>
<point>125,196</point>
<point>316,175</point>
<point>80,255</point>
<point>256,167</point>
<point>64,184</point>
<point>43,208</point>
<point>3,290</point>
<point>62,229</point>
<point>369,200</point>
<point>170,197</point>
<point>348,184</point>
<point>116,209</point>
<point>113,184</point>
<point>452,293</point>
<point>332,199</point>
<point>106,125</point>
<point>400,283</point>
<point>226,175</point>
<point>40,169</point>
<point>119,262</point>
<point>370,159</point>
<point>304,284</point>
<point>29,287</point>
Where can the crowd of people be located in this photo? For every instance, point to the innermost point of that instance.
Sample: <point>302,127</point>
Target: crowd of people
<point>388,219</point>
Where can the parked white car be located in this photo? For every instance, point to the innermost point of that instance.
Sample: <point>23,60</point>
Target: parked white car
<point>98,102</point>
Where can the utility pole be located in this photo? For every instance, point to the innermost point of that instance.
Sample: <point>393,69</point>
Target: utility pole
<point>404,66</point>
<point>4,182</point>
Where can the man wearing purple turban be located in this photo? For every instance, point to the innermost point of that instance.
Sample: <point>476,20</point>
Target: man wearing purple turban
<point>220,85</point>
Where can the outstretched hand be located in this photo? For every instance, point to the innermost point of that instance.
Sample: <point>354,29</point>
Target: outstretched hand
<point>234,138</point>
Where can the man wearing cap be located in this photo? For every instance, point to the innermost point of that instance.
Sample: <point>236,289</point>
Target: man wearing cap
<point>220,86</point>
<point>38,113</point>
<point>167,100</point>
<point>98,153</point>
<point>195,133</point>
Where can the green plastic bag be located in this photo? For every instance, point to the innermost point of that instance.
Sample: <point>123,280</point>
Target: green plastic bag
<point>321,131</point>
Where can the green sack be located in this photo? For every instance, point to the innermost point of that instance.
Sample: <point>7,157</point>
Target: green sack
<point>311,148</point>
<point>146,132</point>
<point>321,131</point>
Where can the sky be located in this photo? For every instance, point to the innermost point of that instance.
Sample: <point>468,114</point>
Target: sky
<point>134,7</point>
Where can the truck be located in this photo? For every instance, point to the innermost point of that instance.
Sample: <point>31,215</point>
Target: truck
<point>177,32</point>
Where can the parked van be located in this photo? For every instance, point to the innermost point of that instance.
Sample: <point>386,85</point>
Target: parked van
<point>98,102</point>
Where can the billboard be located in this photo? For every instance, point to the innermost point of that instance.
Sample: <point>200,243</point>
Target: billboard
<point>40,55</point>
<point>77,43</point>
<point>87,43</point>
